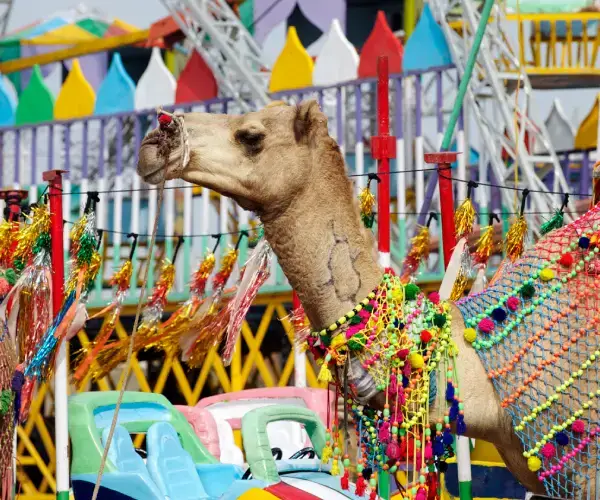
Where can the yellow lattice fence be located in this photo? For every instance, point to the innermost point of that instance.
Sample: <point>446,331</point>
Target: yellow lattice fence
<point>250,367</point>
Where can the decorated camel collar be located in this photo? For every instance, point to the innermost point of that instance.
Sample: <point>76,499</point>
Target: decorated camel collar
<point>535,331</point>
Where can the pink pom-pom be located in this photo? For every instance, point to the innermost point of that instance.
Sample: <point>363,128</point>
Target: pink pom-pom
<point>486,325</point>
<point>4,287</point>
<point>434,297</point>
<point>578,426</point>
<point>512,303</point>
<point>548,450</point>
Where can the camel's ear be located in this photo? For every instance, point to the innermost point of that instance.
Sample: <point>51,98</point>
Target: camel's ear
<point>309,121</point>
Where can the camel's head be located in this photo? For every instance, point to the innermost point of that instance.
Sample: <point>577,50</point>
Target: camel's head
<point>261,159</point>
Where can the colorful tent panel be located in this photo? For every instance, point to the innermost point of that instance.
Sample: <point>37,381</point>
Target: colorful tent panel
<point>196,82</point>
<point>428,34</point>
<point>338,59</point>
<point>156,86</point>
<point>36,103</point>
<point>293,68</point>
<point>381,42</point>
<point>117,92</point>
<point>76,98</point>
<point>8,106</point>
<point>65,35</point>
<point>587,135</point>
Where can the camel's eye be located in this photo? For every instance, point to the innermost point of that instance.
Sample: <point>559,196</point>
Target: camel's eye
<point>251,137</point>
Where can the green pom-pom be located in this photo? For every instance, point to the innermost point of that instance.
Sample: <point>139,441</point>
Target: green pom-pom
<point>325,339</point>
<point>368,308</point>
<point>6,399</point>
<point>439,320</point>
<point>41,243</point>
<point>368,220</point>
<point>411,291</point>
<point>19,265</point>
<point>355,320</point>
<point>357,342</point>
<point>10,276</point>
<point>555,222</point>
<point>527,291</point>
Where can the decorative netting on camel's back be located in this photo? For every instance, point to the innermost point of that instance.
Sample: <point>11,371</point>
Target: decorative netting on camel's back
<point>536,332</point>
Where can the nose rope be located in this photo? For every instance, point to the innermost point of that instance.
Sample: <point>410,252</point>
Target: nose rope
<point>166,121</point>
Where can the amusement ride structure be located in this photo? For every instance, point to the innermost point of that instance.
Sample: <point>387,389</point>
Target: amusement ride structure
<point>93,130</point>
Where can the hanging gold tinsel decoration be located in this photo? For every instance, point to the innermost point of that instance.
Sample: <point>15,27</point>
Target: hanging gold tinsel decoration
<point>514,244</point>
<point>419,250</point>
<point>366,201</point>
<point>39,223</point>
<point>464,217</point>
<point>8,235</point>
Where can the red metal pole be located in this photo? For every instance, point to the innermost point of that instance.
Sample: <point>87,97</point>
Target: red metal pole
<point>383,148</point>
<point>61,381</point>
<point>444,160</point>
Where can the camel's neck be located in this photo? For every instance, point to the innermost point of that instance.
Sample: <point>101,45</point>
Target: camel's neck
<point>325,252</point>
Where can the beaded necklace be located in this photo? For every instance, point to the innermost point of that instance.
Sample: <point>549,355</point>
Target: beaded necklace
<point>402,340</point>
<point>536,332</point>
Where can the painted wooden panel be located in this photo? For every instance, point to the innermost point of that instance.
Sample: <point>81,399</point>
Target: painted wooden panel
<point>587,135</point>
<point>196,82</point>
<point>294,67</point>
<point>560,130</point>
<point>156,86</point>
<point>36,103</point>
<point>117,91</point>
<point>76,98</point>
<point>381,42</point>
<point>338,59</point>
<point>8,106</point>
<point>426,47</point>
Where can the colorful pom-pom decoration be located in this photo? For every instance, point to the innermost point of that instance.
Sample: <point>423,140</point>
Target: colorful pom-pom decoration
<point>527,291</point>
<point>584,242</point>
<point>548,450</point>
<point>546,274</point>
<point>416,360</point>
<point>562,439</point>
<point>486,325</point>
<point>578,427</point>
<point>425,336</point>
<point>534,464</point>
<point>411,291</point>
<point>499,315</point>
<point>4,287</point>
<point>470,335</point>
<point>439,320</point>
<point>566,260</point>
<point>434,297</point>
<point>513,303</point>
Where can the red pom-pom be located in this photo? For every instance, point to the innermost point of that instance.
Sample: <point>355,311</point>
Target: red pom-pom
<point>486,325</point>
<point>548,450</point>
<point>425,336</point>
<point>345,481</point>
<point>373,495</point>
<point>4,287</point>
<point>578,426</point>
<point>434,297</point>
<point>361,486</point>
<point>513,303</point>
<point>566,260</point>
<point>165,119</point>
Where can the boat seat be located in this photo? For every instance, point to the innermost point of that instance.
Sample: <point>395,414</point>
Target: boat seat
<point>170,466</point>
<point>123,455</point>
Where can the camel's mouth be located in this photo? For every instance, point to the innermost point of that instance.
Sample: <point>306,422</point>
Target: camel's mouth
<point>158,152</point>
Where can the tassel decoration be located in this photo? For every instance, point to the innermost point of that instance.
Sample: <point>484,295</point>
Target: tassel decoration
<point>335,468</point>
<point>485,245</point>
<point>256,272</point>
<point>460,285</point>
<point>419,250</point>
<point>327,453</point>
<point>464,217</point>
<point>324,373</point>
<point>345,480</point>
<point>515,237</point>
<point>366,201</point>
<point>361,486</point>
<point>557,220</point>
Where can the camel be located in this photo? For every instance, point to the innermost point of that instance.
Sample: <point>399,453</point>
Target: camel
<point>281,163</point>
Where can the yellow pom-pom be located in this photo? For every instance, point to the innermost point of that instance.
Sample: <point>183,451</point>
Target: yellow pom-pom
<point>416,360</point>
<point>337,341</point>
<point>470,335</point>
<point>534,464</point>
<point>546,274</point>
<point>325,374</point>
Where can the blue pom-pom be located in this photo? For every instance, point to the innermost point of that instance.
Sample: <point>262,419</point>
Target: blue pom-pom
<point>584,242</point>
<point>562,439</point>
<point>448,438</point>
<point>461,427</point>
<point>405,381</point>
<point>438,446</point>
<point>449,392</point>
<point>499,315</point>
<point>453,413</point>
